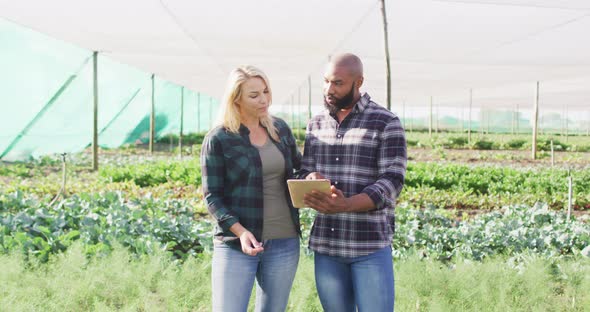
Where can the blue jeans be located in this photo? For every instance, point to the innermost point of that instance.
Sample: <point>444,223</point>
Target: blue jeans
<point>233,274</point>
<point>366,283</point>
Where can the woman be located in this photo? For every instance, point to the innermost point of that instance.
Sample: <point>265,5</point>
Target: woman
<point>245,163</point>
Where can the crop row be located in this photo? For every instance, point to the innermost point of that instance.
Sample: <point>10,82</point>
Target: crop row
<point>144,225</point>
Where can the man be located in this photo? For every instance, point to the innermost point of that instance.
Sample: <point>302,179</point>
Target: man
<point>360,147</point>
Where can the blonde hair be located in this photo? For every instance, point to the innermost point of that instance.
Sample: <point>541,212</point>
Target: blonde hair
<point>230,118</point>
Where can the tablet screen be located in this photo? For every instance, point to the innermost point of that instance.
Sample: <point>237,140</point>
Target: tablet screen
<point>298,188</point>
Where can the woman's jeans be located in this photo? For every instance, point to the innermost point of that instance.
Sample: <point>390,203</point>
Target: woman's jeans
<point>233,274</point>
<point>366,282</point>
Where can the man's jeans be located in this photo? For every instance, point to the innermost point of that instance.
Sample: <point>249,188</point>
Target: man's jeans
<point>233,274</point>
<point>366,282</point>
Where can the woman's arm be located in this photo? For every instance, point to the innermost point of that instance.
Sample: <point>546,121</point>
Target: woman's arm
<point>250,245</point>
<point>213,177</point>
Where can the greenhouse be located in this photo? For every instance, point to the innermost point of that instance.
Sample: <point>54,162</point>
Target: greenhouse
<point>105,106</point>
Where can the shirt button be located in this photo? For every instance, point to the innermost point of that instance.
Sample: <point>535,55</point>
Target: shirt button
<point>332,229</point>
<point>336,182</point>
<point>338,136</point>
<point>337,158</point>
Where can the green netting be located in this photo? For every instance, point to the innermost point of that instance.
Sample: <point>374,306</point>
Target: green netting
<point>47,99</point>
<point>124,98</point>
<point>34,69</point>
<point>63,125</point>
<point>200,112</point>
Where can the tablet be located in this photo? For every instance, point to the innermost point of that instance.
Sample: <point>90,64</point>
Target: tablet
<point>298,188</point>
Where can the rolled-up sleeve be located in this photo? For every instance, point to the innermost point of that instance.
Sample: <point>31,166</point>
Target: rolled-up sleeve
<point>213,171</point>
<point>391,164</point>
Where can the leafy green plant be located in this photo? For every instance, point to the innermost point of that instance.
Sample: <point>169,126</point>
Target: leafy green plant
<point>455,142</point>
<point>482,144</point>
<point>15,170</point>
<point>188,172</point>
<point>98,220</point>
<point>187,139</point>
<point>512,231</point>
<point>515,144</point>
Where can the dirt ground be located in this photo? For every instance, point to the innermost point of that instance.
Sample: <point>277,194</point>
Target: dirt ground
<point>573,160</point>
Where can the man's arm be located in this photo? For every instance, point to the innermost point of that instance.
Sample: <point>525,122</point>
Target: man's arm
<point>391,161</point>
<point>336,202</point>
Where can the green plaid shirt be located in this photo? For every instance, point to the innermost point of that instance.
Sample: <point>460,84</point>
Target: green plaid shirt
<point>232,179</point>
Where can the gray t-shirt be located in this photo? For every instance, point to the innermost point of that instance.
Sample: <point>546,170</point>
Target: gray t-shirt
<point>277,217</point>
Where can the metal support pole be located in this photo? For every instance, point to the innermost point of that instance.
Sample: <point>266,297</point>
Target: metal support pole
<point>570,196</point>
<point>181,122</point>
<point>535,119</point>
<point>482,120</point>
<point>470,107</point>
<point>517,120</point>
<point>309,99</point>
<point>152,118</point>
<point>64,173</point>
<point>552,155</point>
<point>462,119</point>
<point>437,116</point>
<point>95,111</point>
<point>488,122</point>
<point>198,112</point>
<point>562,122</point>
<point>411,122</point>
<point>566,124</point>
<point>386,42</point>
<point>299,113</point>
<point>430,119</point>
<point>513,122</point>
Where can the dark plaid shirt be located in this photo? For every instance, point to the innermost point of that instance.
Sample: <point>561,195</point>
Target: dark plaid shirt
<point>366,153</point>
<point>232,179</point>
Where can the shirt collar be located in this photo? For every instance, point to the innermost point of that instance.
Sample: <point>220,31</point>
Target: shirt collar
<point>362,103</point>
<point>244,130</point>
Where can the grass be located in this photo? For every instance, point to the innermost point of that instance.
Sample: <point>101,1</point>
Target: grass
<point>492,286</point>
<point>70,282</point>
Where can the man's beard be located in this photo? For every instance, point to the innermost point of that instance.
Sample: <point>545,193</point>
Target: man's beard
<point>341,103</point>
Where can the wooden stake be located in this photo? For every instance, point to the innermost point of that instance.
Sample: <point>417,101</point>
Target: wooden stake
<point>470,106</point>
<point>569,197</point>
<point>430,119</point>
<point>198,112</point>
<point>95,112</point>
<point>181,122</point>
<point>309,99</point>
<point>152,118</point>
<point>386,41</point>
<point>552,155</point>
<point>535,119</point>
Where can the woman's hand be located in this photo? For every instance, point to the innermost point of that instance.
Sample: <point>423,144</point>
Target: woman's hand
<point>250,245</point>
